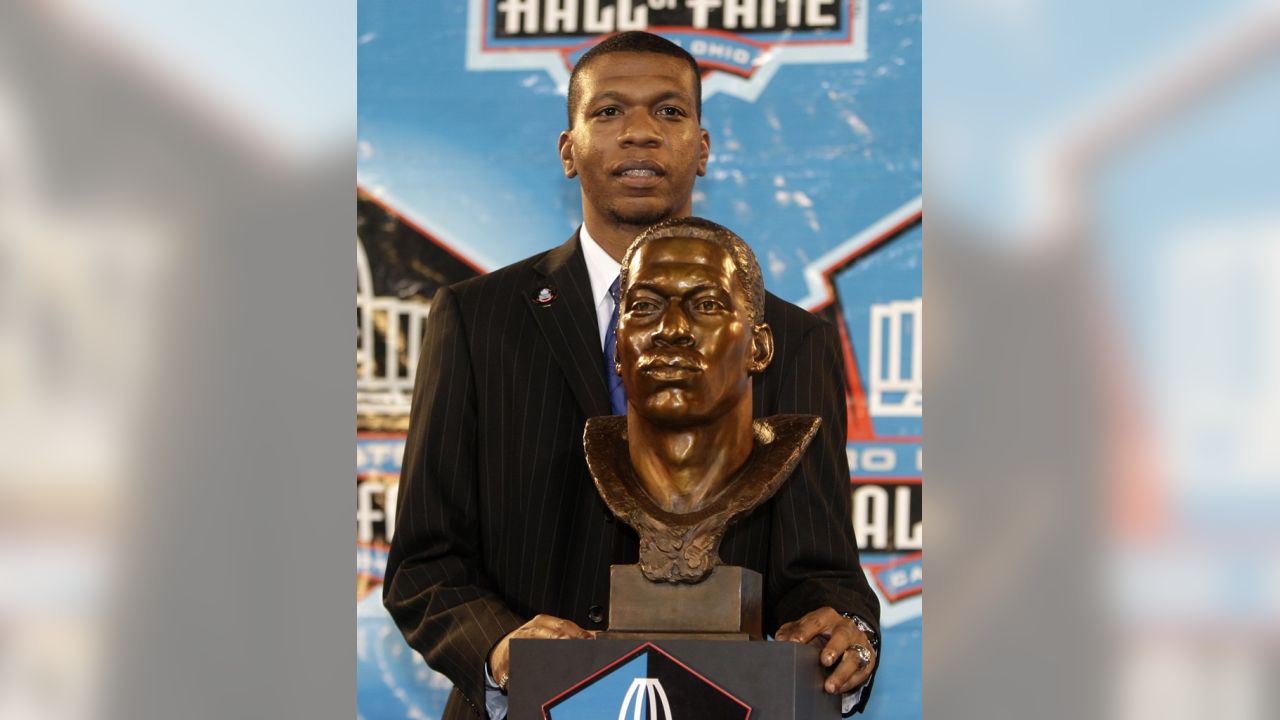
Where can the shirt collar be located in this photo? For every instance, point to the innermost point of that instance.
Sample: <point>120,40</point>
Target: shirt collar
<point>601,268</point>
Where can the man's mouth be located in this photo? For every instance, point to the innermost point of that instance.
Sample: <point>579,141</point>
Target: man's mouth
<point>639,173</point>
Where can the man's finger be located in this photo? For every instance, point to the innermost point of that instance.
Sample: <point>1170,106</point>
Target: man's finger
<point>549,626</point>
<point>850,673</point>
<point>543,631</point>
<point>842,637</point>
<point>553,632</point>
<point>785,632</point>
<point>802,630</point>
<point>571,630</point>
<point>823,623</point>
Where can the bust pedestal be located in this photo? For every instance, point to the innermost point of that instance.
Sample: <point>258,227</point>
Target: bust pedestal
<point>725,606</point>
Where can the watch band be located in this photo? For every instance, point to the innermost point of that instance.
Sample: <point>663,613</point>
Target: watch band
<point>866,629</point>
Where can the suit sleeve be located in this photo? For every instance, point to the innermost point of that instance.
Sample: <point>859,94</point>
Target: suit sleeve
<point>813,555</point>
<point>435,587</point>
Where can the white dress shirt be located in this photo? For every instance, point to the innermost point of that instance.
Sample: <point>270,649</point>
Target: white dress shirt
<point>603,270</point>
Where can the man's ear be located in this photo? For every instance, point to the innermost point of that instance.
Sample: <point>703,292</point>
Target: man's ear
<point>704,153</point>
<point>566,155</point>
<point>761,348</point>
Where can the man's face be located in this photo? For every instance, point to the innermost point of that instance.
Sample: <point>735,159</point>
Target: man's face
<point>686,343</point>
<point>636,145</point>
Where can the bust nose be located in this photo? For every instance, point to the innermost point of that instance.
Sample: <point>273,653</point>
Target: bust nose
<point>674,329</point>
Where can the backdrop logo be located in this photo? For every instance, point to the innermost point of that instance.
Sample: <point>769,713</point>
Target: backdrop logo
<point>651,701</point>
<point>645,684</point>
<point>740,43</point>
<point>899,578</point>
<point>870,288</point>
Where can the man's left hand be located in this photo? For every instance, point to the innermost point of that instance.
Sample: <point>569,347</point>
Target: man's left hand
<point>844,643</point>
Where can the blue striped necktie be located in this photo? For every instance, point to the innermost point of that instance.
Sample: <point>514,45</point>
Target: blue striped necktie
<point>617,394</point>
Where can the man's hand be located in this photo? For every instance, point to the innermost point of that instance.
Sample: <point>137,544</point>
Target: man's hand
<point>541,627</point>
<point>841,640</point>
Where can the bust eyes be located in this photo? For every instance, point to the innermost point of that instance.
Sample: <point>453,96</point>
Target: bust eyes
<point>708,305</point>
<point>643,306</point>
<point>705,305</point>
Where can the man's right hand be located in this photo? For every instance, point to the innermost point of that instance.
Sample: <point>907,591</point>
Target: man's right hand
<point>544,627</point>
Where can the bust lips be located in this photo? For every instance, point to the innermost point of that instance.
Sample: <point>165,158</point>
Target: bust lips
<point>669,366</point>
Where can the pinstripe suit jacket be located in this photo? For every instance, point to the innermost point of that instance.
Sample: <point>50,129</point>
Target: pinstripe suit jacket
<point>498,518</point>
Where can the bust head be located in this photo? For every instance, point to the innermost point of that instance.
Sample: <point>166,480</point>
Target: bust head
<point>687,459</point>
<point>691,328</point>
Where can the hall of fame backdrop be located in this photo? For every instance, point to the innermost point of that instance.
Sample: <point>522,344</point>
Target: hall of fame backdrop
<point>814,112</point>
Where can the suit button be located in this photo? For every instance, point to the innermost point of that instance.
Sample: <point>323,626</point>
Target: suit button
<point>595,614</point>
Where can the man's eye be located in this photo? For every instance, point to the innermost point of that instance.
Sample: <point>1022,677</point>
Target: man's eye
<point>608,112</point>
<point>670,111</point>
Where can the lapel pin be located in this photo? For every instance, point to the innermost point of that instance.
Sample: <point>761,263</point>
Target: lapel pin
<point>544,295</point>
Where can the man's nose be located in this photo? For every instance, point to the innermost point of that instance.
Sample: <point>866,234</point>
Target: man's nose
<point>640,128</point>
<point>673,328</point>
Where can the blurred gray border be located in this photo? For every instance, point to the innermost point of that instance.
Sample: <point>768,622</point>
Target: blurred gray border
<point>227,522</point>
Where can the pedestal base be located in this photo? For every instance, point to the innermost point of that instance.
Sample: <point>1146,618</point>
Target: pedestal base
<point>672,679</point>
<point>728,601</point>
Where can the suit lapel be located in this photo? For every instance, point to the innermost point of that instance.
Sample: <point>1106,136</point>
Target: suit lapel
<point>568,322</point>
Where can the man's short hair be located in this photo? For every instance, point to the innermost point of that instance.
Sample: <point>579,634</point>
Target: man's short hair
<point>749,276</point>
<point>634,41</point>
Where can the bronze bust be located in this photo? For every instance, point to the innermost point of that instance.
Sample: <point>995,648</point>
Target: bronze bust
<point>687,460</point>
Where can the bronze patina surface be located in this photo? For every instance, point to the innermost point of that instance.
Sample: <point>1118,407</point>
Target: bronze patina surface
<point>684,547</point>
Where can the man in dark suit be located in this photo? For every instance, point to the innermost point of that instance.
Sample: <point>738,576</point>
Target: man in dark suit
<point>500,532</point>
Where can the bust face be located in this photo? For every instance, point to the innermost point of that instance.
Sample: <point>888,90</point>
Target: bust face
<point>685,335</point>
